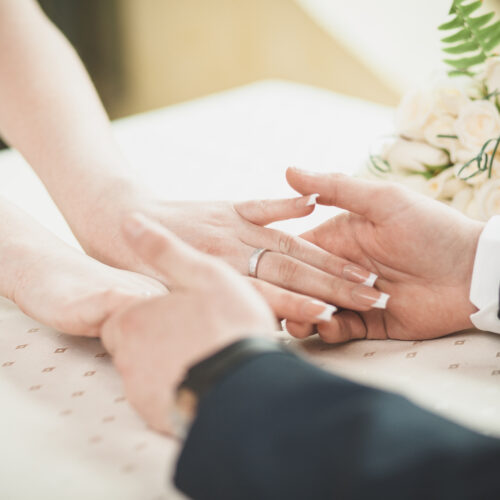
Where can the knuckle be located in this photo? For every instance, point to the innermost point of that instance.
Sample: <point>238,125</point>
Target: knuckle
<point>288,271</point>
<point>155,248</point>
<point>329,333</point>
<point>283,302</point>
<point>263,206</point>
<point>286,243</point>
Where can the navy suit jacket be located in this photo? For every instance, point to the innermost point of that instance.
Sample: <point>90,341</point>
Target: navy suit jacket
<point>279,428</point>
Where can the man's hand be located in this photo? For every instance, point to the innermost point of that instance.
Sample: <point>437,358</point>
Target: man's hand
<point>155,341</point>
<point>422,250</point>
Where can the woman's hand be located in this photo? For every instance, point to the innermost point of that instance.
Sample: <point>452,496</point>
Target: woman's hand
<point>74,293</point>
<point>154,341</point>
<point>422,251</point>
<point>290,274</point>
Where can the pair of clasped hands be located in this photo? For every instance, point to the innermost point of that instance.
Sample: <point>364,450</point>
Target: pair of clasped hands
<point>421,251</point>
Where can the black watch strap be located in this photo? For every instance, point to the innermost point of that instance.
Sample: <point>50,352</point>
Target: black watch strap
<point>201,377</point>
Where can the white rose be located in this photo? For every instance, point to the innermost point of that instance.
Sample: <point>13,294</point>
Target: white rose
<point>439,126</point>
<point>491,75</point>
<point>462,155</point>
<point>477,122</point>
<point>413,113</point>
<point>448,98</point>
<point>465,174</point>
<point>481,177</point>
<point>414,156</point>
<point>487,199</point>
<point>445,185</point>
<point>471,210</point>
<point>414,182</point>
<point>462,199</point>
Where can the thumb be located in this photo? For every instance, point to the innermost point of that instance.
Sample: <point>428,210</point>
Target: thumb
<point>371,199</point>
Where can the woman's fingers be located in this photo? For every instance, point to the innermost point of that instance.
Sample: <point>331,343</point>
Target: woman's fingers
<point>374,200</point>
<point>180,264</point>
<point>309,253</point>
<point>296,276</point>
<point>294,306</point>
<point>263,212</point>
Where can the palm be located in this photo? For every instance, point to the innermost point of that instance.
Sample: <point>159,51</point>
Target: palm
<point>423,252</point>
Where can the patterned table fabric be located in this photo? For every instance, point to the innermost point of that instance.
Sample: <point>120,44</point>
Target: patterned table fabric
<point>66,430</point>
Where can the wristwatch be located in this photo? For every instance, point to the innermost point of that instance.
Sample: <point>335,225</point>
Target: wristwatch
<point>201,377</point>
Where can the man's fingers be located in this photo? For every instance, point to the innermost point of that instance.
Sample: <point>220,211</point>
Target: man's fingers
<point>294,306</point>
<point>345,326</point>
<point>299,330</point>
<point>180,264</point>
<point>263,212</point>
<point>373,200</point>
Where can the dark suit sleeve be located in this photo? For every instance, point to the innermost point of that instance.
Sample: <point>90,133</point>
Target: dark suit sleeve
<point>279,428</point>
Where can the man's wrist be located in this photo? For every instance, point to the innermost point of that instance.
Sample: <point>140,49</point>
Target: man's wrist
<point>203,376</point>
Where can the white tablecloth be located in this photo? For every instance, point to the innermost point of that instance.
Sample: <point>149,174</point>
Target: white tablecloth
<point>66,430</point>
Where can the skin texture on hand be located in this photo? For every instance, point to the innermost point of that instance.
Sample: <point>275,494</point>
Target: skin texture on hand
<point>292,274</point>
<point>55,283</point>
<point>422,251</point>
<point>75,294</point>
<point>154,342</point>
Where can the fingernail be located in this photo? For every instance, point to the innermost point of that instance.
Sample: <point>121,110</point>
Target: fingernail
<point>311,200</point>
<point>133,226</point>
<point>319,311</point>
<point>359,275</point>
<point>370,297</point>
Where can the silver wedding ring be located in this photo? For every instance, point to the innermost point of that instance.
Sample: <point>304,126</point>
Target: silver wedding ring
<point>253,263</point>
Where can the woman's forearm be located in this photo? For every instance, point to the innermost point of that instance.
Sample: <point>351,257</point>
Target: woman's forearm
<point>50,112</point>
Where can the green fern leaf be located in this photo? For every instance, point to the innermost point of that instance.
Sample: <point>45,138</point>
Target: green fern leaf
<point>490,30</point>
<point>463,34</point>
<point>454,23</point>
<point>454,5</point>
<point>460,72</point>
<point>473,38</point>
<point>477,22</point>
<point>463,47</point>
<point>470,8</point>
<point>466,62</point>
<point>493,41</point>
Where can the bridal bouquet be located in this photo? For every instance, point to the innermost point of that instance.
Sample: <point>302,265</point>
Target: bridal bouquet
<point>447,142</point>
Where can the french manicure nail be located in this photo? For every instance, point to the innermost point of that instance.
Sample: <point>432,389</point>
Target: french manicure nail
<point>357,274</point>
<point>319,311</point>
<point>370,297</point>
<point>311,200</point>
<point>133,226</point>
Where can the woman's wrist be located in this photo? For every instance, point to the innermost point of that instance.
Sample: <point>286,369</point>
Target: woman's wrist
<point>97,227</point>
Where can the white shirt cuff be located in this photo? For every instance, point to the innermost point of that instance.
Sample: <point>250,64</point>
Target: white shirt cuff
<point>484,290</point>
